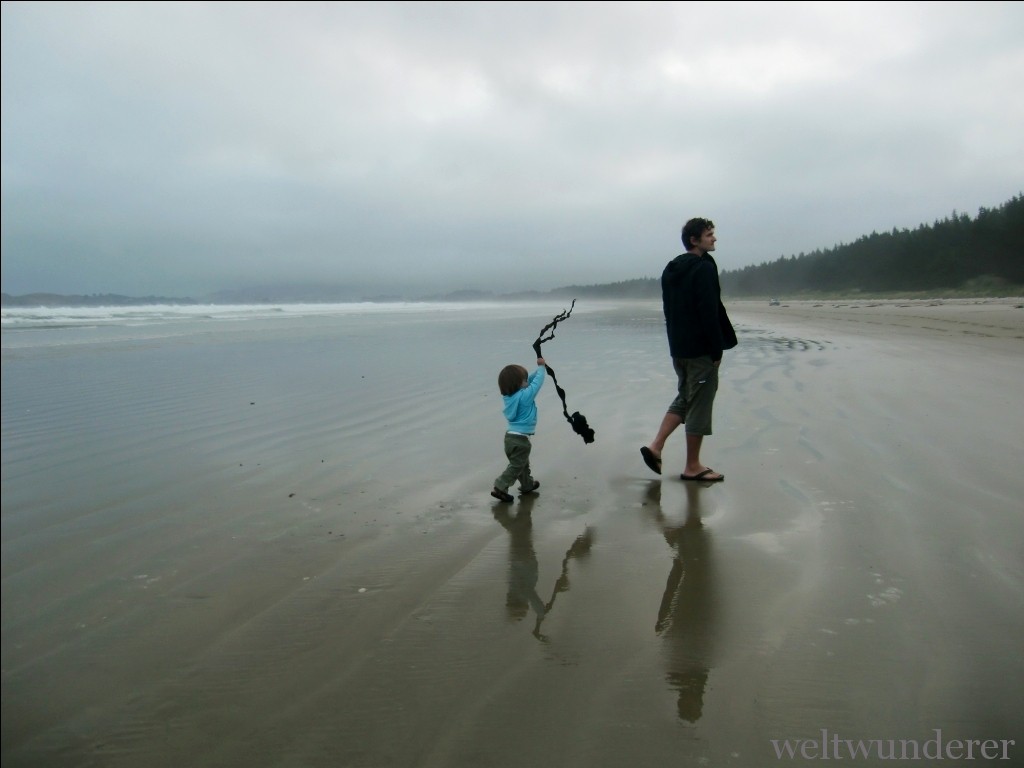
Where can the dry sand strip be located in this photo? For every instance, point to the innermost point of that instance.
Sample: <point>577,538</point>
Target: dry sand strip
<point>999,318</point>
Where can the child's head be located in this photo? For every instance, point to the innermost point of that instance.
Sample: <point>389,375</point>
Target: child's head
<point>512,378</point>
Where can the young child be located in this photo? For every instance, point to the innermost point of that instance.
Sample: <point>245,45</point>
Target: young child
<point>519,390</point>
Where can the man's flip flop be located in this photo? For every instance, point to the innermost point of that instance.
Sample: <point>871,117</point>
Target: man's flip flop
<point>703,476</point>
<point>652,461</point>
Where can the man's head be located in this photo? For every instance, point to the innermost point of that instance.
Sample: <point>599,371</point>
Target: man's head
<point>699,234</point>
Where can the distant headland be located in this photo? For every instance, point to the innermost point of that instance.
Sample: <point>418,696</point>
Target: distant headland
<point>327,294</point>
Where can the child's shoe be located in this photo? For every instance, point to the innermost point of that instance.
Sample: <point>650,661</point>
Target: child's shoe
<point>531,489</point>
<point>502,496</point>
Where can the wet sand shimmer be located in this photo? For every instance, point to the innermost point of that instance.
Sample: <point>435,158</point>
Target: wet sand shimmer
<point>276,547</point>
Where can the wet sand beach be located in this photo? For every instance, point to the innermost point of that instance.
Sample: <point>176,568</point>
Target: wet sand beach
<point>271,543</point>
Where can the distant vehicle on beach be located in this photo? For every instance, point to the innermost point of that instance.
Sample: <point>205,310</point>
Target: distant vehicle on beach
<point>773,302</point>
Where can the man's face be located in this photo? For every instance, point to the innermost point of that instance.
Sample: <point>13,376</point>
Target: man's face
<point>706,242</point>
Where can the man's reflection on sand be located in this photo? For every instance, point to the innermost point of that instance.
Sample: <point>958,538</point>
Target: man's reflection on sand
<point>687,612</point>
<point>523,569</point>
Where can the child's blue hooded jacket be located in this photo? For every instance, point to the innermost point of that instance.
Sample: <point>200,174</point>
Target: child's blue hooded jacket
<point>520,408</point>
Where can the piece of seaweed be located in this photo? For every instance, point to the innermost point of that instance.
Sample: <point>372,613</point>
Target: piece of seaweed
<point>576,420</point>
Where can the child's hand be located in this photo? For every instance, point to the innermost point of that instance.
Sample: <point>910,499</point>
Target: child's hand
<point>540,361</point>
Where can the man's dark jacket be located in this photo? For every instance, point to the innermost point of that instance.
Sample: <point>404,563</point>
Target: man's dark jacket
<point>695,318</point>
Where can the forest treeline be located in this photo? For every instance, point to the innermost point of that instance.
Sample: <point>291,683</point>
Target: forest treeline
<point>983,255</point>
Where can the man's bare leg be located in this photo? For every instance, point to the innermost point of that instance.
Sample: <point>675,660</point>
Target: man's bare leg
<point>693,465</point>
<point>668,426</point>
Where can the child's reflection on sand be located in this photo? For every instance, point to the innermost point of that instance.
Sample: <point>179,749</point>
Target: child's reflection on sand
<point>523,569</point>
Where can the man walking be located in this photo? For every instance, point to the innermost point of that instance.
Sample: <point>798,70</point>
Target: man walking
<point>699,331</point>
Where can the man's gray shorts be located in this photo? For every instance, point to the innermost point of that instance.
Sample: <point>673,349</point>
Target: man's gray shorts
<point>698,383</point>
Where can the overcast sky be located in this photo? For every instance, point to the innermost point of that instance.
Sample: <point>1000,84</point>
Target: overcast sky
<point>183,148</point>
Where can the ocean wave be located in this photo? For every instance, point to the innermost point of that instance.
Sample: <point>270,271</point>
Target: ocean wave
<point>41,318</point>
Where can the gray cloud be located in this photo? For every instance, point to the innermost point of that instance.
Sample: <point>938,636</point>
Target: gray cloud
<point>182,148</point>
